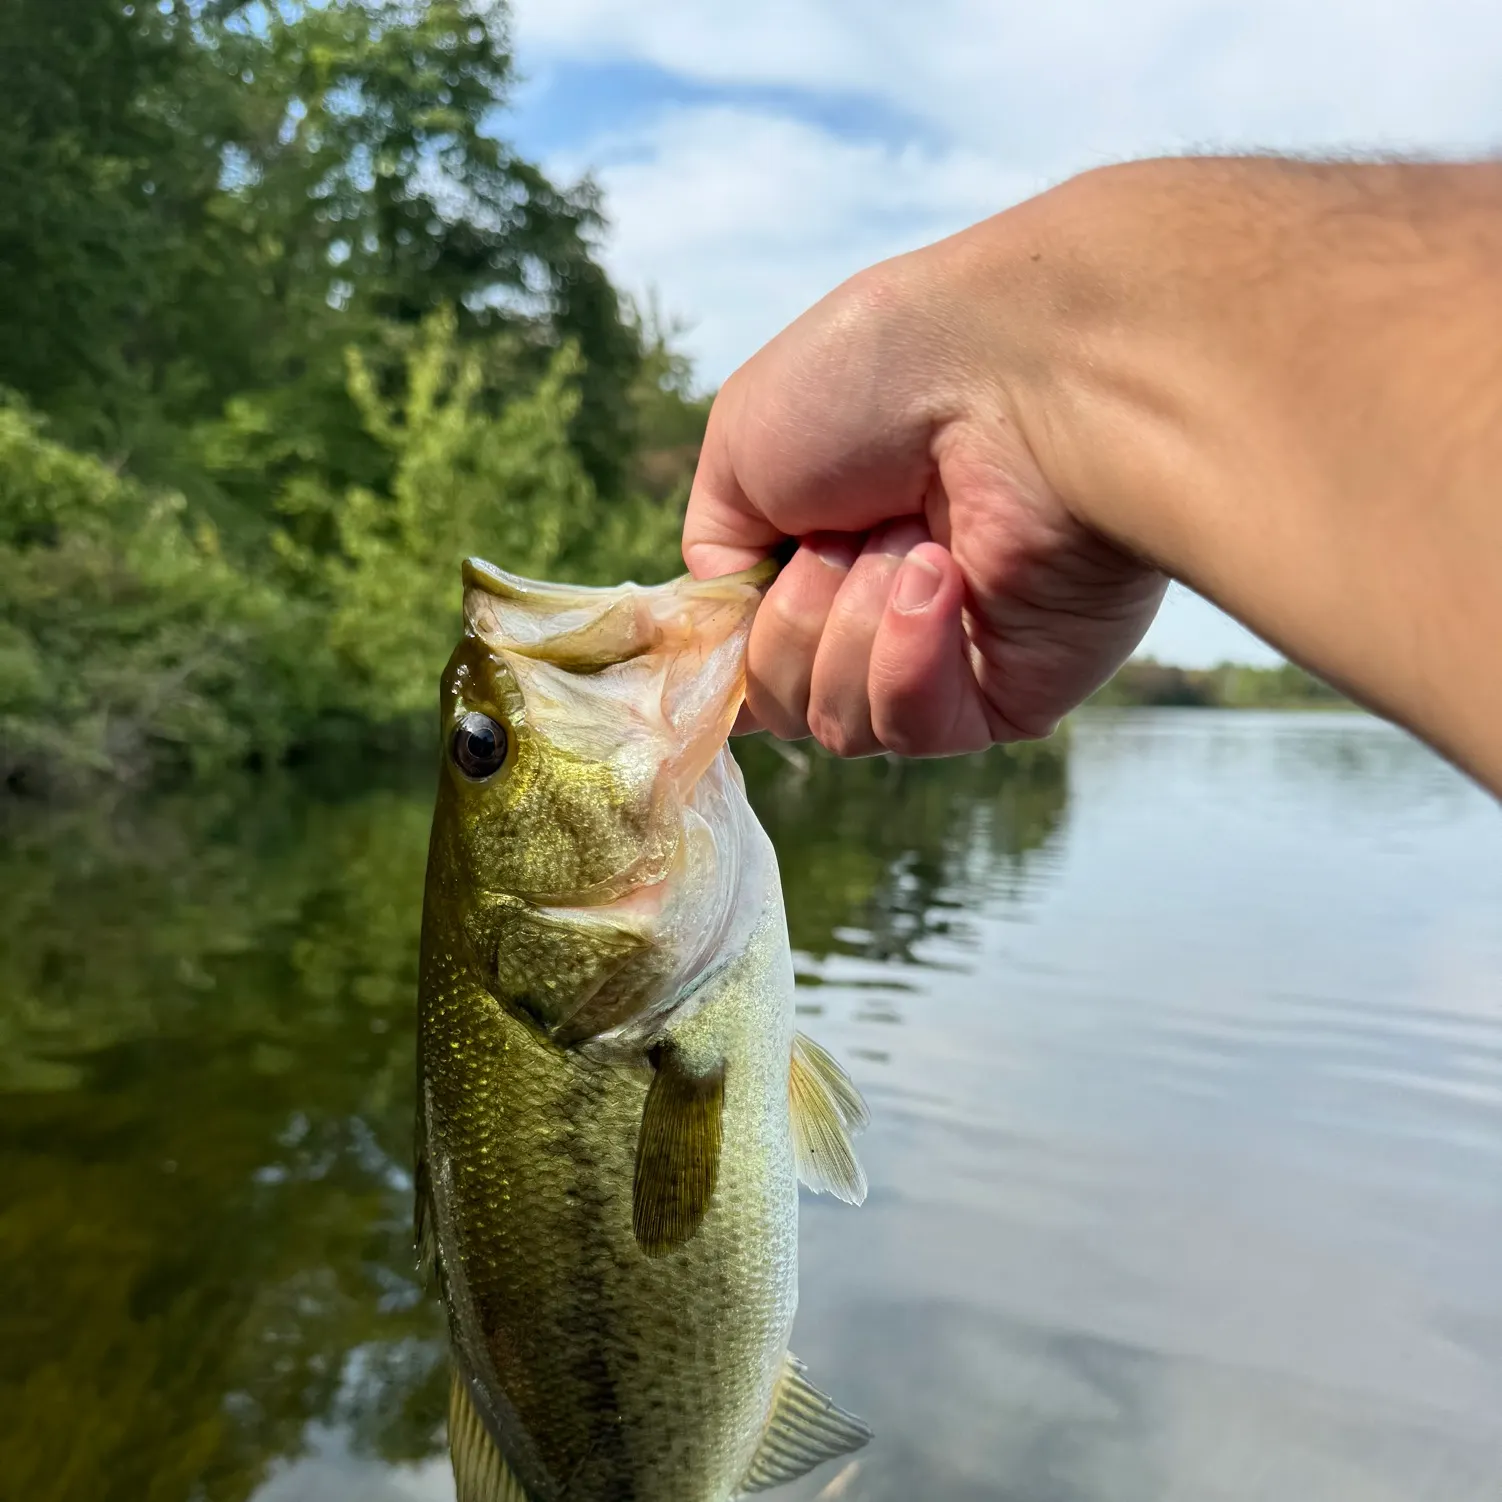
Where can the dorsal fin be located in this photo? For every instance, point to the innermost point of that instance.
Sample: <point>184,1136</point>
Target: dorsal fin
<point>677,1154</point>
<point>480,1471</point>
<point>825,1108</point>
<point>804,1428</point>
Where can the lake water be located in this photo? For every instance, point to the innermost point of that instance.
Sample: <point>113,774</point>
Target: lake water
<point>1183,1045</point>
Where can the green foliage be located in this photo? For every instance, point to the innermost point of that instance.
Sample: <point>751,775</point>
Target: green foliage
<point>508,487</point>
<point>201,198</point>
<point>1230,686</point>
<point>126,638</point>
<point>305,331</point>
<point>107,190</point>
<point>129,643</point>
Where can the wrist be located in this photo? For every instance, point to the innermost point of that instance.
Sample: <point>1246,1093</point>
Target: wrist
<point>1277,382</point>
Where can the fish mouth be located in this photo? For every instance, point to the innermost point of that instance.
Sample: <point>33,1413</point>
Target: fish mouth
<point>586,628</point>
<point>648,679</point>
<point>479,574</point>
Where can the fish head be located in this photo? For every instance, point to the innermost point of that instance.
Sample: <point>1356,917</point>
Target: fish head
<point>584,825</point>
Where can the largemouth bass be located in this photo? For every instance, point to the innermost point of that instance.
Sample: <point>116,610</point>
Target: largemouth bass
<point>614,1108</point>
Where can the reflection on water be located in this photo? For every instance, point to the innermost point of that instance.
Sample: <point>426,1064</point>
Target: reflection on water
<point>1186,1066</point>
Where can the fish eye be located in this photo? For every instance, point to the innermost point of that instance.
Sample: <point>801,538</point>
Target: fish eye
<point>478,746</point>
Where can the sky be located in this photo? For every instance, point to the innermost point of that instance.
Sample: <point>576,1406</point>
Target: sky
<point>754,153</point>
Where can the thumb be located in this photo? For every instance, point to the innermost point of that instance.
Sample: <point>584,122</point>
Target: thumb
<point>925,700</point>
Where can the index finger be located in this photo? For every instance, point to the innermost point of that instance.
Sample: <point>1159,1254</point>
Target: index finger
<point>723,531</point>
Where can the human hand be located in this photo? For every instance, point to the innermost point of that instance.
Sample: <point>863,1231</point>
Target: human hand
<point>943,595</point>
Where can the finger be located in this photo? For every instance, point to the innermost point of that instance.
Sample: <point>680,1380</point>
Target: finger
<point>746,723</point>
<point>723,531</point>
<point>839,707</point>
<point>924,698</point>
<point>821,430</point>
<point>785,635</point>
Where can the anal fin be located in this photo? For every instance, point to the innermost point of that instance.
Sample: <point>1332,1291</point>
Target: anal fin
<point>677,1155</point>
<point>480,1471</point>
<point>826,1108</point>
<point>805,1428</point>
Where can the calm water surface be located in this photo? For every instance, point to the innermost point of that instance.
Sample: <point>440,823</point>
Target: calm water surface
<point>1183,1045</point>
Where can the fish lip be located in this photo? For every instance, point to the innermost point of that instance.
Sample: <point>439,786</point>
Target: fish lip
<point>479,573</point>
<point>758,576</point>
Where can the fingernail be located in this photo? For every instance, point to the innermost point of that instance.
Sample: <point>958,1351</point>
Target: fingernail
<point>917,583</point>
<point>833,548</point>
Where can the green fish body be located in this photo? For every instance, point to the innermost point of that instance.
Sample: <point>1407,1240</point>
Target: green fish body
<point>614,1108</point>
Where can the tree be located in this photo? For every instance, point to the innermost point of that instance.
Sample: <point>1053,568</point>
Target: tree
<point>202,199</point>
<point>293,330</point>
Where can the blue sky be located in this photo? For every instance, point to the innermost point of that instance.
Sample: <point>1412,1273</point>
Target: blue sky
<point>754,153</point>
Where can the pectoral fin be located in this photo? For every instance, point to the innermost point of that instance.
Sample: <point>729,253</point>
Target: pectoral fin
<point>825,1108</point>
<point>805,1428</point>
<point>677,1155</point>
<point>480,1471</point>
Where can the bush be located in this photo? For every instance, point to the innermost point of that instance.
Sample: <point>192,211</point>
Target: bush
<point>507,485</point>
<point>126,639</point>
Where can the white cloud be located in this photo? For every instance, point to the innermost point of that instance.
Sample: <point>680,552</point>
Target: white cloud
<point>743,218</point>
<point>1075,78</point>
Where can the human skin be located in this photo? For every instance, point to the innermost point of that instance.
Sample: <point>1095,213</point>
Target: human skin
<point>1279,382</point>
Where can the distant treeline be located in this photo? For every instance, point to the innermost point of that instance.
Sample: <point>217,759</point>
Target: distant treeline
<point>1144,681</point>
<point>287,329</point>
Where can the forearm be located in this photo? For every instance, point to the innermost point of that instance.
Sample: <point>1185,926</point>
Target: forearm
<point>1282,384</point>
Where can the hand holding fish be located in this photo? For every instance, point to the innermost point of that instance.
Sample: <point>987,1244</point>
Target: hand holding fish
<point>1275,381</point>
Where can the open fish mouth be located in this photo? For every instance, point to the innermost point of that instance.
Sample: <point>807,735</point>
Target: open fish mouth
<point>663,665</point>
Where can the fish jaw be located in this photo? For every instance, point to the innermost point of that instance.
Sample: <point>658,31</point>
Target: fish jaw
<point>606,975</point>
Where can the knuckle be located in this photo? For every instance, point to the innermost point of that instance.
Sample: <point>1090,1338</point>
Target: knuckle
<point>780,719</point>
<point>904,736</point>
<point>1011,724</point>
<point>835,733</point>
<point>790,616</point>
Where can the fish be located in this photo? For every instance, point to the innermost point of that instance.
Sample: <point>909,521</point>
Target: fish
<point>614,1106</point>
